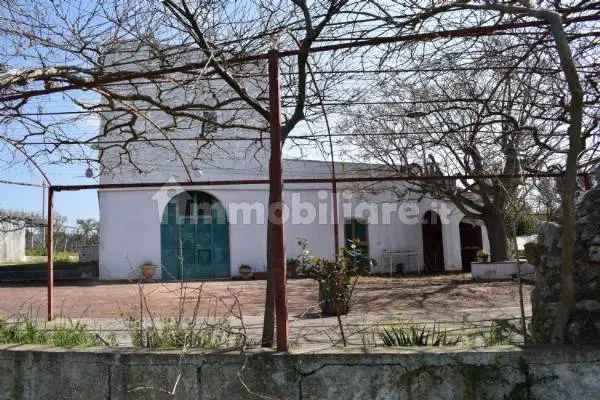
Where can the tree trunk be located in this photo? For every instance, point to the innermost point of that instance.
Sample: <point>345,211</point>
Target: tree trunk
<point>494,222</point>
<point>576,146</point>
<point>268,332</point>
<point>567,282</point>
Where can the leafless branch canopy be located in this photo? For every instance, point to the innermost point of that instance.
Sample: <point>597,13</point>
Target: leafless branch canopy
<point>81,79</point>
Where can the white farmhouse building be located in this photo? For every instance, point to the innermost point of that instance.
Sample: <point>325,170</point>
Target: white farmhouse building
<point>216,229</point>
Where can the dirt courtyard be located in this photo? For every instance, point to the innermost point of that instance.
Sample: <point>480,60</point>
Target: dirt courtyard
<point>448,297</point>
<point>454,300</point>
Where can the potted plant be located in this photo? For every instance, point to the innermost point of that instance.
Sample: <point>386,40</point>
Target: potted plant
<point>483,256</point>
<point>245,271</point>
<point>337,280</point>
<point>148,270</point>
<point>335,289</point>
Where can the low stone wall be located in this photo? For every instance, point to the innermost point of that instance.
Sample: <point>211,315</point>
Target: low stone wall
<point>506,373</point>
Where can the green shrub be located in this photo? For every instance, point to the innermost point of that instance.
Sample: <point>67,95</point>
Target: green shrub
<point>22,332</point>
<point>66,257</point>
<point>36,252</point>
<point>337,279</point>
<point>59,256</point>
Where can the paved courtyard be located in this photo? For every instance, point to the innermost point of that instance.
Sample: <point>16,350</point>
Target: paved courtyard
<point>449,298</point>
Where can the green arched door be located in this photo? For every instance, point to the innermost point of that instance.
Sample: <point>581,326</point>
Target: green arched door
<point>194,235</point>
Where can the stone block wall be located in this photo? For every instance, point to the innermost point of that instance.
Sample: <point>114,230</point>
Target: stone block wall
<point>585,324</point>
<point>500,373</point>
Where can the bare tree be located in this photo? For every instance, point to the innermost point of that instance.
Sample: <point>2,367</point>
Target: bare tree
<point>555,14</point>
<point>491,112</point>
<point>160,75</point>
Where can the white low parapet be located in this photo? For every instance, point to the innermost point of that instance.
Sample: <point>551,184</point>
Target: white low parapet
<point>500,270</point>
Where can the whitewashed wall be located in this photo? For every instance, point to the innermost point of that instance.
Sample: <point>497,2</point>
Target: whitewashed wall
<point>130,230</point>
<point>130,224</point>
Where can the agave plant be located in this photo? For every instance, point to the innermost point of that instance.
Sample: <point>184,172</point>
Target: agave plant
<point>417,335</point>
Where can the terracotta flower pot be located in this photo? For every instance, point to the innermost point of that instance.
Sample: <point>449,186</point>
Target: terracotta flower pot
<point>148,271</point>
<point>246,272</point>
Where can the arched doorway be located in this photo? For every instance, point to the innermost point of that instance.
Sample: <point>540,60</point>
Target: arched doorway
<point>194,235</point>
<point>471,242</point>
<point>433,246</point>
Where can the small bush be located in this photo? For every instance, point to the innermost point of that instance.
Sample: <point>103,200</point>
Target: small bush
<point>417,335</point>
<point>169,333</point>
<point>36,252</point>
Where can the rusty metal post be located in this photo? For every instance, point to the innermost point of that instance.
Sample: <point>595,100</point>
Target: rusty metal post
<point>50,253</point>
<point>334,200</point>
<point>276,208</point>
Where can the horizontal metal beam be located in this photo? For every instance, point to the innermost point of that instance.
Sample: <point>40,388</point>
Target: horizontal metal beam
<point>385,178</point>
<point>15,183</point>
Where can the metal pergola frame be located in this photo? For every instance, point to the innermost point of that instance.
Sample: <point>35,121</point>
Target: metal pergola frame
<point>275,168</point>
<point>276,180</point>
